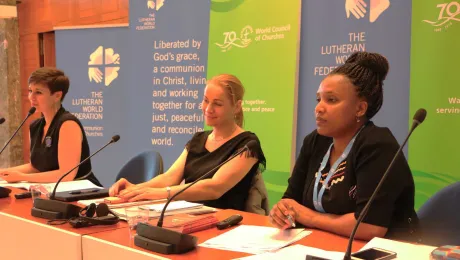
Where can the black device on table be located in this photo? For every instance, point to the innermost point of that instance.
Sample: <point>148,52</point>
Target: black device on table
<point>4,192</point>
<point>25,195</point>
<point>230,221</point>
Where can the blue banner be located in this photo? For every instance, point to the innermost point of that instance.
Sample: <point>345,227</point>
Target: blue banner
<point>332,30</point>
<point>145,82</point>
<point>95,62</point>
<point>169,50</point>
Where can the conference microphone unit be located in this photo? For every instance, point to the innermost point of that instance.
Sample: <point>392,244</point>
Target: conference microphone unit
<point>56,208</point>
<point>165,241</point>
<point>31,112</point>
<point>377,253</point>
<point>2,120</point>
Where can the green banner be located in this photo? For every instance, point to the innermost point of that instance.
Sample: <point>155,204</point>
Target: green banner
<point>258,43</point>
<point>435,87</point>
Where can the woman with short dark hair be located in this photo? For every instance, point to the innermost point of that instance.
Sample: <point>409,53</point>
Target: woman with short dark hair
<point>57,139</point>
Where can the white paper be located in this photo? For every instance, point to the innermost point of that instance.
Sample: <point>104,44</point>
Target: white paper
<point>296,252</point>
<point>255,239</point>
<point>63,186</point>
<point>403,250</point>
<point>174,205</point>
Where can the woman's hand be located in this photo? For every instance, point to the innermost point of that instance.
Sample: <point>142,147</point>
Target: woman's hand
<point>282,211</point>
<point>120,185</point>
<point>143,193</point>
<point>12,176</point>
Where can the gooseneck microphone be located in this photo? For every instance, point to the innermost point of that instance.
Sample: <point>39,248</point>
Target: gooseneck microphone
<point>166,241</point>
<point>114,139</point>
<point>418,118</point>
<point>2,120</point>
<point>247,147</point>
<point>31,111</point>
<point>54,209</point>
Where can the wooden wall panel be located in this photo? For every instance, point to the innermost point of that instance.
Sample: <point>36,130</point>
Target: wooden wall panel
<point>49,49</point>
<point>40,16</point>
<point>28,47</point>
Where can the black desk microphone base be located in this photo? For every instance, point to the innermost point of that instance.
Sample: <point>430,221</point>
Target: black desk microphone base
<point>53,209</point>
<point>162,240</point>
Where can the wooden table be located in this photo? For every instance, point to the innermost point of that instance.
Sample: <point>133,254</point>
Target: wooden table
<point>26,237</point>
<point>115,244</point>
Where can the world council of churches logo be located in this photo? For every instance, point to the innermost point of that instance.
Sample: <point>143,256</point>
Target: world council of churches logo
<point>104,65</point>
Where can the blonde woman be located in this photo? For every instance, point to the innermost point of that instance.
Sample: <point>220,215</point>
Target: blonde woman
<point>228,187</point>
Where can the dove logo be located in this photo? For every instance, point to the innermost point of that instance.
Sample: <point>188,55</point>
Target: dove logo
<point>449,14</point>
<point>357,8</point>
<point>231,39</point>
<point>104,65</point>
<point>155,4</point>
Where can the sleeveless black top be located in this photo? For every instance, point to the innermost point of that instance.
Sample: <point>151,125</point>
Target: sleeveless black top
<point>199,161</point>
<point>44,155</point>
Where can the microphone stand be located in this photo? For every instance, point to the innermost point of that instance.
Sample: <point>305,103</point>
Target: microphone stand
<point>31,111</point>
<point>165,241</point>
<point>55,209</point>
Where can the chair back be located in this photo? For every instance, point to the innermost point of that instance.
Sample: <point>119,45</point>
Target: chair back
<point>257,201</point>
<point>440,217</point>
<point>142,167</point>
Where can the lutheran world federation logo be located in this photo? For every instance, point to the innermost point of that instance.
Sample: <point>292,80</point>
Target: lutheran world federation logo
<point>358,8</point>
<point>104,65</point>
<point>155,4</point>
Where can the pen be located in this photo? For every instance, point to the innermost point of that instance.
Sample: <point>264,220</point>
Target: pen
<point>291,221</point>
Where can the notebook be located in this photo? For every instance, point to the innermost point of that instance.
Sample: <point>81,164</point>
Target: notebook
<point>187,223</point>
<point>120,212</point>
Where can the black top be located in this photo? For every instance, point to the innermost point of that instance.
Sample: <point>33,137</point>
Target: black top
<point>44,155</point>
<point>199,161</point>
<point>356,178</point>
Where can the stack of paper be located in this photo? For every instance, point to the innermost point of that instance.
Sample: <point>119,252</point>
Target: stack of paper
<point>255,239</point>
<point>63,186</point>
<point>174,205</point>
<point>299,252</point>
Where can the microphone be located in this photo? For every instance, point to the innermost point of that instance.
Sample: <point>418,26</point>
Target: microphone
<point>52,208</point>
<point>418,118</point>
<point>2,120</point>
<point>31,111</point>
<point>165,241</point>
<point>114,139</point>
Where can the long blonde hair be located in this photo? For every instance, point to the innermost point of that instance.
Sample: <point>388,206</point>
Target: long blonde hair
<point>235,92</point>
